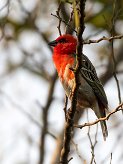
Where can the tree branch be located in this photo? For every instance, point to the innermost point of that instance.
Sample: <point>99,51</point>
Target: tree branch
<point>70,119</point>
<point>103,38</point>
<point>112,31</point>
<point>45,116</point>
<point>65,22</point>
<point>119,108</point>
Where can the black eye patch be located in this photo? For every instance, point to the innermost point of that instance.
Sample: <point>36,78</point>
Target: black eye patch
<point>63,40</point>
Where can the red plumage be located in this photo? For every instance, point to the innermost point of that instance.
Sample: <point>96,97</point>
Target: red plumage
<point>91,93</point>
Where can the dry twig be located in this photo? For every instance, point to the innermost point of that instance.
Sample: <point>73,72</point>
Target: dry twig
<point>103,38</point>
<point>24,112</point>
<point>91,143</point>
<point>77,151</point>
<point>119,108</point>
<point>45,116</point>
<point>111,159</point>
<point>66,23</point>
<point>112,50</point>
<point>58,15</point>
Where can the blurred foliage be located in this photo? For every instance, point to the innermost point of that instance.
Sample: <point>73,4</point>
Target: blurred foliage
<point>103,17</point>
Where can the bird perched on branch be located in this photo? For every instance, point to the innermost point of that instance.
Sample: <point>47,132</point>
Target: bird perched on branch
<point>90,93</point>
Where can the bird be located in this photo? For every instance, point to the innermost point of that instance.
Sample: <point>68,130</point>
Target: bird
<point>91,93</point>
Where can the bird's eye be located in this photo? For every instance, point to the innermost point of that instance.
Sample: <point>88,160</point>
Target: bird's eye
<point>63,40</point>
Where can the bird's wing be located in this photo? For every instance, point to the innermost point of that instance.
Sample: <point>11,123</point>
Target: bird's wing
<point>88,72</point>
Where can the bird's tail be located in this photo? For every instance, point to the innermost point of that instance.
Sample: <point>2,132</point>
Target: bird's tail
<point>104,129</point>
<point>100,112</point>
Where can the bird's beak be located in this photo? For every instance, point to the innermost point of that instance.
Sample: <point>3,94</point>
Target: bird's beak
<point>53,43</point>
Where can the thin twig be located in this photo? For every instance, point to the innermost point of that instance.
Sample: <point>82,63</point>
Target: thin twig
<point>103,38</point>
<point>111,159</point>
<point>114,72</point>
<point>114,16</point>
<point>23,7</point>
<point>113,148</point>
<point>70,20</point>
<point>119,108</point>
<point>77,151</point>
<point>2,24</point>
<point>24,112</point>
<point>58,15</point>
<point>91,143</point>
<point>45,117</point>
<point>5,5</point>
<point>66,23</point>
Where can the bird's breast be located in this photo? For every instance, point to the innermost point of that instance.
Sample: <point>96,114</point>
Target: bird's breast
<point>68,79</point>
<point>64,64</point>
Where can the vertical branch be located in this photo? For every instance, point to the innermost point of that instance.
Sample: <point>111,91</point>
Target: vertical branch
<point>91,143</point>
<point>111,159</point>
<point>45,116</point>
<point>69,22</point>
<point>112,50</point>
<point>65,107</point>
<point>49,100</point>
<point>70,119</point>
<point>58,15</point>
<point>114,71</point>
<point>69,29</point>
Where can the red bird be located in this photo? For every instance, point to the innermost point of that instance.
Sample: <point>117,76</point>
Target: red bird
<point>90,93</point>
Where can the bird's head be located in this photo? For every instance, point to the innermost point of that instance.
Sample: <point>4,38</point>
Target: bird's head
<point>64,44</point>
